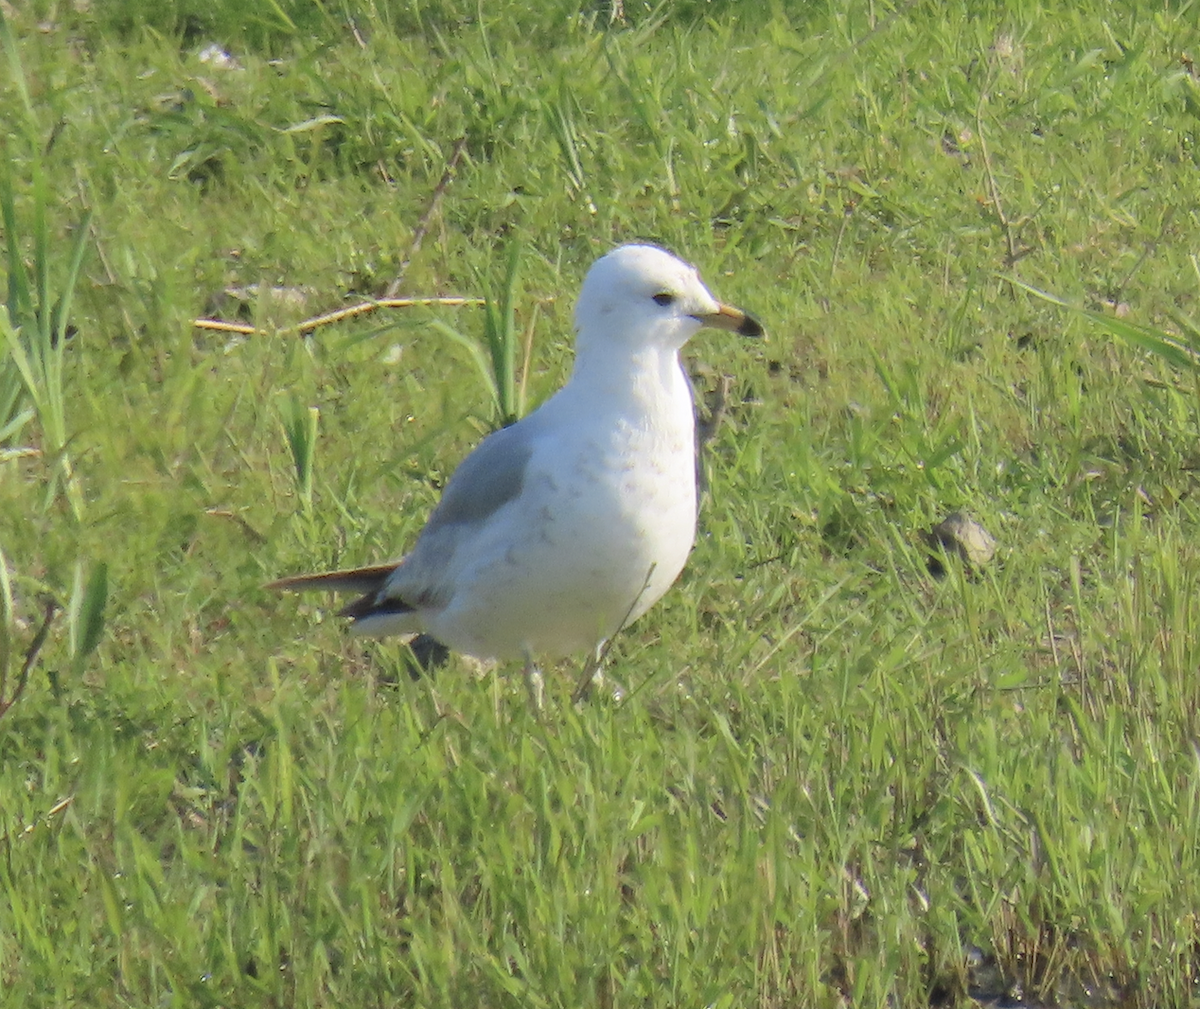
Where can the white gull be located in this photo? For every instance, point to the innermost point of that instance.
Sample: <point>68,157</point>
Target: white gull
<point>556,532</point>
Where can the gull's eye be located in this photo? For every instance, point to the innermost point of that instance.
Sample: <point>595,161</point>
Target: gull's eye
<point>664,299</point>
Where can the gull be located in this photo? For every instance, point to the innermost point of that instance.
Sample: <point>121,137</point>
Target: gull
<point>556,532</point>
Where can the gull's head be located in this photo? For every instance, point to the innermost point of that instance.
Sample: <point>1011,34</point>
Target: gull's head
<point>641,296</point>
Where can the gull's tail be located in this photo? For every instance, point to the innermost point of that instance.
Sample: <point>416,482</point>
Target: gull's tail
<point>374,614</point>
<point>369,580</point>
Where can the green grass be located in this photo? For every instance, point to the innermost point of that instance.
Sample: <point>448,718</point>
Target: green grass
<point>835,779</point>
<point>33,319</point>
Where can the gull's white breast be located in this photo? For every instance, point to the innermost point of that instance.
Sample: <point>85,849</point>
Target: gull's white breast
<point>601,529</point>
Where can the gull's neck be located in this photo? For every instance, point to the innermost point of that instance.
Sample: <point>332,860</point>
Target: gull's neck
<point>649,380</point>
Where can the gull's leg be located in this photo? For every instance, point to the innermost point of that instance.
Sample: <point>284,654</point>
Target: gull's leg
<point>593,676</point>
<point>534,683</point>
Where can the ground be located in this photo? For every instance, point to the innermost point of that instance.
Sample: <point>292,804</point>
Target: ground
<point>843,772</point>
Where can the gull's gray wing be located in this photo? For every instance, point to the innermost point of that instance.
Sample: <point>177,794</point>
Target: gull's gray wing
<point>490,477</point>
<point>485,480</point>
<point>700,439</point>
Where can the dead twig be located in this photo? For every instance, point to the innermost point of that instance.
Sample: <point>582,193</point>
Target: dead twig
<point>338,315</point>
<point>59,807</point>
<point>1011,228</point>
<point>31,654</point>
<point>1015,249</point>
<point>718,402</point>
<point>1149,249</point>
<point>422,227</point>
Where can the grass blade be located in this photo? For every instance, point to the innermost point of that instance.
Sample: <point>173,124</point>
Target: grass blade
<point>300,429</point>
<point>502,340</point>
<point>1162,345</point>
<point>35,330</point>
<point>87,614</point>
<point>6,614</point>
<point>477,355</point>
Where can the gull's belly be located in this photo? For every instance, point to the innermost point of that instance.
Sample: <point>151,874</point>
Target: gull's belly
<point>578,555</point>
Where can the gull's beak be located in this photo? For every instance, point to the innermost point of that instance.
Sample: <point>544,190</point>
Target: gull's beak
<point>732,319</point>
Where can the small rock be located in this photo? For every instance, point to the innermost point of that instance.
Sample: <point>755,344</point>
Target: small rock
<point>215,56</point>
<point>959,534</point>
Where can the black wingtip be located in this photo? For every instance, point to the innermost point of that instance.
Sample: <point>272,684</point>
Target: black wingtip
<point>371,605</point>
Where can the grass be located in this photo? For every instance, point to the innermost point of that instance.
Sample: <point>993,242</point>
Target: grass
<point>836,779</point>
<point>33,320</point>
